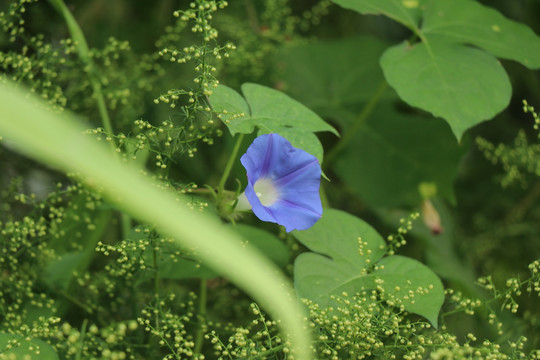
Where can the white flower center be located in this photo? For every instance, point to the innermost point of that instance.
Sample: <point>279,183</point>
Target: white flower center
<point>266,191</point>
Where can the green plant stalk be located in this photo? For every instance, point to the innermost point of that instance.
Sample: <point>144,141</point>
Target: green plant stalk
<point>156,282</point>
<point>58,141</point>
<point>357,125</point>
<point>81,339</point>
<point>75,302</point>
<point>230,164</point>
<point>84,54</point>
<point>271,351</point>
<point>199,334</point>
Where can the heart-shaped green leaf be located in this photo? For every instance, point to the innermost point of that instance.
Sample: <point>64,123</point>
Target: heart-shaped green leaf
<point>469,22</point>
<point>344,248</point>
<point>271,111</point>
<point>463,85</point>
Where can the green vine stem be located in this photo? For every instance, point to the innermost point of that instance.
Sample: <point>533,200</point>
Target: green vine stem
<point>199,334</point>
<point>84,54</point>
<point>357,125</point>
<point>230,163</point>
<point>81,339</point>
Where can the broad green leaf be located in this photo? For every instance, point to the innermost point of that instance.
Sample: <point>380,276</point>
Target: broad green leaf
<point>469,22</point>
<point>414,283</point>
<point>394,152</point>
<point>345,249</point>
<point>406,12</point>
<point>440,249</point>
<point>268,110</point>
<point>58,141</point>
<point>271,111</point>
<point>22,349</point>
<point>463,85</point>
<point>333,77</point>
<point>272,108</point>
<point>179,268</point>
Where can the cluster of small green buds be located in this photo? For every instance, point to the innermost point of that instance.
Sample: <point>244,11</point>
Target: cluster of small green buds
<point>529,109</point>
<point>11,20</point>
<point>197,118</point>
<point>395,241</point>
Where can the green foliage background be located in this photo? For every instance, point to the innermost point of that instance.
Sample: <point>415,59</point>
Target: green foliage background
<point>110,239</point>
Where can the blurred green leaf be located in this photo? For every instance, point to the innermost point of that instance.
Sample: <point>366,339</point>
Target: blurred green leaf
<point>406,12</point>
<point>394,152</point>
<point>267,243</point>
<point>25,349</point>
<point>333,77</point>
<point>178,268</point>
<point>271,111</point>
<point>469,22</point>
<point>345,248</point>
<point>463,85</point>
<point>59,273</point>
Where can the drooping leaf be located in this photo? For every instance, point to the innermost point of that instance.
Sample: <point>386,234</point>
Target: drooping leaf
<point>271,111</point>
<point>469,22</point>
<point>25,349</point>
<point>463,85</point>
<point>343,248</point>
<point>406,12</point>
<point>393,152</point>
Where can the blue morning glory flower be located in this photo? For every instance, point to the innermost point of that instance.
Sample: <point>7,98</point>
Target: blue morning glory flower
<point>283,183</point>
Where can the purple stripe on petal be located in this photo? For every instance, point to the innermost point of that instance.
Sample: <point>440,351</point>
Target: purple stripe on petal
<point>266,165</point>
<point>293,175</point>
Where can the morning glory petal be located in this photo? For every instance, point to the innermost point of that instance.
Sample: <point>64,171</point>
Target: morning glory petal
<point>293,176</point>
